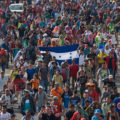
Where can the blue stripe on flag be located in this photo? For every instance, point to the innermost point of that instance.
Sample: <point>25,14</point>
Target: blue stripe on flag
<point>60,49</point>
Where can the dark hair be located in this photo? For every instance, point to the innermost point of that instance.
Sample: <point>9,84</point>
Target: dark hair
<point>5,106</point>
<point>12,115</point>
<point>75,91</point>
<point>17,77</point>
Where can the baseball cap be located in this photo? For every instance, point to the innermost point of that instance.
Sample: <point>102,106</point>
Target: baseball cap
<point>97,111</point>
<point>41,87</point>
<point>110,76</point>
<point>27,91</point>
<point>86,91</point>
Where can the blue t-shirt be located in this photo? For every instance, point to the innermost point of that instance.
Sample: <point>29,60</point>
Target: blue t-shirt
<point>30,73</point>
<point>117,104</point>
<point>66,100</point>
<point>6,47</point>
<point>84,99</point>
<point>95,118</point>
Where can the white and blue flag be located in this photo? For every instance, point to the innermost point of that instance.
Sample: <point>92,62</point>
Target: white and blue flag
<point>63,53</point>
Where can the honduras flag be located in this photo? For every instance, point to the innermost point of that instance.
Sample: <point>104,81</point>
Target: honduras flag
<point>63,53</point>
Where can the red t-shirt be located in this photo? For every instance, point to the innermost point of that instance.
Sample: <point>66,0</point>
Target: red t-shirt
<point>94,95</point>
<point>17,84</point>
<point>73,70</point>
<point>56,108</point>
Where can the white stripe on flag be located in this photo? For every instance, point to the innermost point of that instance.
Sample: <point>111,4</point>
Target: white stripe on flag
<point>65,56</point>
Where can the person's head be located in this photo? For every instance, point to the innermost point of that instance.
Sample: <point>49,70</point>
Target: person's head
<point>67,84</point>
<point>106,47</point>
<point>43,64</point>
<point>103,66</point>
<point>30,66</point>
<point>28,85</point>
<point>110,78</point>
<point>110,54</point>
<point>75,93</point>
<point>27,93</point>
<point>4,109</point>
<point>56,85</point>
<point>109,88</point>
<point>9,79</point>
<point>2,74</point>
<point>73,61</point>
<point>112,108</point>
<point>54,63</point>
<point>40,88</point>
<point>12,117</point>
<point>29,44</point>
<point>86,93</point>
<point>97,112</point>
<point>108,100</point>
<point>17,77</point>
<point>4,87</point>
<point>81,52</point>
<point>53,58</point>
<point>77,115</point>
<point>72,107</point>
<point>28,113</point>
<point>35,76</point>
<point>55,98</point>
<point>57,72</point>
<point>23,68</point>
<point>63,65</point>
<point>87,103</point>
<point>115,90</point>
<point>86,62</point>
<point>66,89</point>
<point>7,92</point>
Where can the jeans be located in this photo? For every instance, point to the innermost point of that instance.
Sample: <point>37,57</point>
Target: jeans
<point>38,109</point>
<point>3,65</point>
<point>44,83</point>
<point>111,71</point>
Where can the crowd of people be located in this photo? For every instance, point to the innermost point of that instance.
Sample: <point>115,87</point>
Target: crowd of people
<point>38,85</point>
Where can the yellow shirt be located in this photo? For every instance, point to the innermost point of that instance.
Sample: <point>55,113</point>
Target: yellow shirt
<point>13,74</point>
<point>58,79</point>
<point>101,57</point>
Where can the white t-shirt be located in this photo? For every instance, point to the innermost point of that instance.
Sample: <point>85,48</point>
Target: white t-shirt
<point>5,116</point>
<point>81,59</point>
<point>107,51</point>
<point>113,39</point>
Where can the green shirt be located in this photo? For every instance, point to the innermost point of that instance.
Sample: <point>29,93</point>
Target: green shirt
<point>27,106</point>
<point>62,39</point>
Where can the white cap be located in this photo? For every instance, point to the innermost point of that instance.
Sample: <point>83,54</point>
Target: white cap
<point>45,35</point>
<point>41,87</point>
<point>110,76</point>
